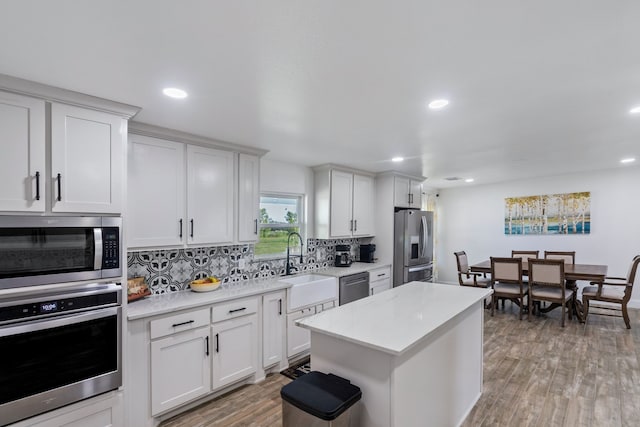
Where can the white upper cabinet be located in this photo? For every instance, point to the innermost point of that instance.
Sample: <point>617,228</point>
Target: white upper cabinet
<point>341,219</point>
<point>363,205</point>
<point>407,193</point>
<point>344,204</point>
<point>86,160</point>
<point>22,163</point>
<point>248,197</point>
<point>210,195</point>
<point>156,192</point>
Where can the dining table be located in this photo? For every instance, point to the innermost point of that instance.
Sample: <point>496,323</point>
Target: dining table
<point>572,272</point>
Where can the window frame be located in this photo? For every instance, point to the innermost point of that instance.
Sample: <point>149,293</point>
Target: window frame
<point>301,224</point>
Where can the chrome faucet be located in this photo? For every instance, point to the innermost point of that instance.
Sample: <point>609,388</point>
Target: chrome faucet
<point>288,267</point>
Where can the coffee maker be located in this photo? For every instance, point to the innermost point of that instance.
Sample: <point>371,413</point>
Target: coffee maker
<point>343,256</point>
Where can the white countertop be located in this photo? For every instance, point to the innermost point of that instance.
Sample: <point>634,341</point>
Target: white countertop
<point>394,320</point>
<point>356,267</point>
<point>165,303</point>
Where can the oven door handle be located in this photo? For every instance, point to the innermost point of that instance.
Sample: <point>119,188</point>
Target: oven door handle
<point>97,238</point>
<point>50,323</point>
<point>422,268</point>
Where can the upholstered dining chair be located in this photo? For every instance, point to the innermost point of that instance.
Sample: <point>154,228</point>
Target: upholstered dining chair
<point>467,277</point>
<point>524,255</point>
<point>615,290</point>
<point>546,283</point>
<point>506,281</point>
<point>569,258</point>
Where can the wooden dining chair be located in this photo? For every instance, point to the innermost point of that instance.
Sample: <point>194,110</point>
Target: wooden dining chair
<point>615,290</point>
<point>569,258</point>
<point>466,277</point>
<point>524,255</point>
<point>506,281</point>
<point>546,283</point>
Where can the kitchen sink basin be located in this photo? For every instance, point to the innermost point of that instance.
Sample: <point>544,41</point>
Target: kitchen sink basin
<point>310,289</point>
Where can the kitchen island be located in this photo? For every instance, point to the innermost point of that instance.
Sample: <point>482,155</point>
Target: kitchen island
<point>415,351</point>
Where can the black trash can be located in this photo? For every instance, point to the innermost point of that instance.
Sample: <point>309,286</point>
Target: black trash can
<point>319,400</point>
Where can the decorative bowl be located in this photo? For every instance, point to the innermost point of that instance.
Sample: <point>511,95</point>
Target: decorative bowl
<point>205,285</point>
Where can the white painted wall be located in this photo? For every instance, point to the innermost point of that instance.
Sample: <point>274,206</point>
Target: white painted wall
<point>471,218</point>
<point>280,177</point>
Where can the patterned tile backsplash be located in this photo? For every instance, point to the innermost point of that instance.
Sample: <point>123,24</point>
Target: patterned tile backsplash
<point>172,270</point>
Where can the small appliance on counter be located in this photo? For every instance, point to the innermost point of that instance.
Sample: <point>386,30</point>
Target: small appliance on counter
<point>367,253</point>
<point>343,256</point>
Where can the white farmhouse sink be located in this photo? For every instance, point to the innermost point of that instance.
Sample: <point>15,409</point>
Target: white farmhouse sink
<point>310,289</point>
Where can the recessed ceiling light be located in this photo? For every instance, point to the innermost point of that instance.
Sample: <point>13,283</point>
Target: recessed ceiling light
<point>635,110</point>
<point>628,160</point>
<point>469,180</point>
<point>453,178</point>
<point>397,159</point>
<point>438,104</point>
<point>174,92</point>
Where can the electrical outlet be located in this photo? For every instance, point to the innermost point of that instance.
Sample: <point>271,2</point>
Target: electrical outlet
<point>241,263</point>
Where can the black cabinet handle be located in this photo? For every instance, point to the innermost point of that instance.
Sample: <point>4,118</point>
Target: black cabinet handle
<point>381,274</point>
<point>181,228</point>
<point>59,187</point>
<point>207,342</point>
<point>280,306</point>
<point>217,344</point>
<point>255,231</point>
<point>237,309</point>
<point>355,225</point>
<point>37,185</point>
<point>175,325</point>
<point>192,228</point>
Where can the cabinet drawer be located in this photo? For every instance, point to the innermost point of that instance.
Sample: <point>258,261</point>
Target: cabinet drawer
<point>233,309</point>
<point>379,274</point>
<point>179,322</point>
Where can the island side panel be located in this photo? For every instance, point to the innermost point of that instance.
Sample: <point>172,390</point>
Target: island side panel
<point>367,368</point>
<point>438,381</point>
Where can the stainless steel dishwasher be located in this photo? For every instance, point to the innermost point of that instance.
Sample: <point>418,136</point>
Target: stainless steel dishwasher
<point>353,287</point>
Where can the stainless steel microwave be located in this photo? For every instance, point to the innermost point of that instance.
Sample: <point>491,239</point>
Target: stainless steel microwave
<point>36,250</point>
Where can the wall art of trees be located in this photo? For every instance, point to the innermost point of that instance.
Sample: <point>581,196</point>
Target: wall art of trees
<point>568,213</point>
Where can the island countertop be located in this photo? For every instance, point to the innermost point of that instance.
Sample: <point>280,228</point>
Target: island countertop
<point>395,320</point>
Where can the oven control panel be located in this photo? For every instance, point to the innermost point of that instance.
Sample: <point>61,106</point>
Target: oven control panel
<point>57,304</point>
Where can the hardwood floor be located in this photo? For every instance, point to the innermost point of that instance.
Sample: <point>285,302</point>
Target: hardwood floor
<point>535,374</point>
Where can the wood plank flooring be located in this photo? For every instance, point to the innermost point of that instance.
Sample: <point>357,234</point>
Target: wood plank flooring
<point>535,374</point>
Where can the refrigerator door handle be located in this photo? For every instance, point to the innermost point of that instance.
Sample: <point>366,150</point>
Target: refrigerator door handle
<point>424,236</point>
<point>421,268</point>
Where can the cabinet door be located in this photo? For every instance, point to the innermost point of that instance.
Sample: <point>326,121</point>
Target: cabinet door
<point>180,369</point>
<point>22,161</point>
<point>415,191</point>
<point>248,197</point>
<point>341,204</point>
<point>156,192</point>
<point>210,188</point>
<point>235,350</point>
<point>298,339</point>
<point>379,286</point>
<point>401,195</point>
<point>273,328</point>
<point>87,154</point>
<point>363,206</point>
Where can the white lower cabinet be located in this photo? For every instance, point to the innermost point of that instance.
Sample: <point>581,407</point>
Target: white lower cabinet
<point>105,410</point>
<point>298,339</point>
<point>379,280</point>
<point>235,341</point>
<point>180,359</point>
<point>273,328</point>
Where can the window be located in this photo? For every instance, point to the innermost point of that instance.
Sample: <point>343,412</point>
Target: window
<point>279,216</point>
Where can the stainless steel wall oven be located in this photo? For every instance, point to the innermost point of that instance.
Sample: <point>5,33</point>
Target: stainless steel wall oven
<point>58,348</point>
<point>36,250</point>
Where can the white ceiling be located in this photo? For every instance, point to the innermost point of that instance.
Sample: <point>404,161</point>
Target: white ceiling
<point>536,88</point>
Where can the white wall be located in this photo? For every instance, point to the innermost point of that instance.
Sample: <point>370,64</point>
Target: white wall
<point>471,218</point>
<point>280,177</point>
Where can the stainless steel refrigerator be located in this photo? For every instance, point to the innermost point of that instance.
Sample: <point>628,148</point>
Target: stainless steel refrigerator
<point>413,246</point>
